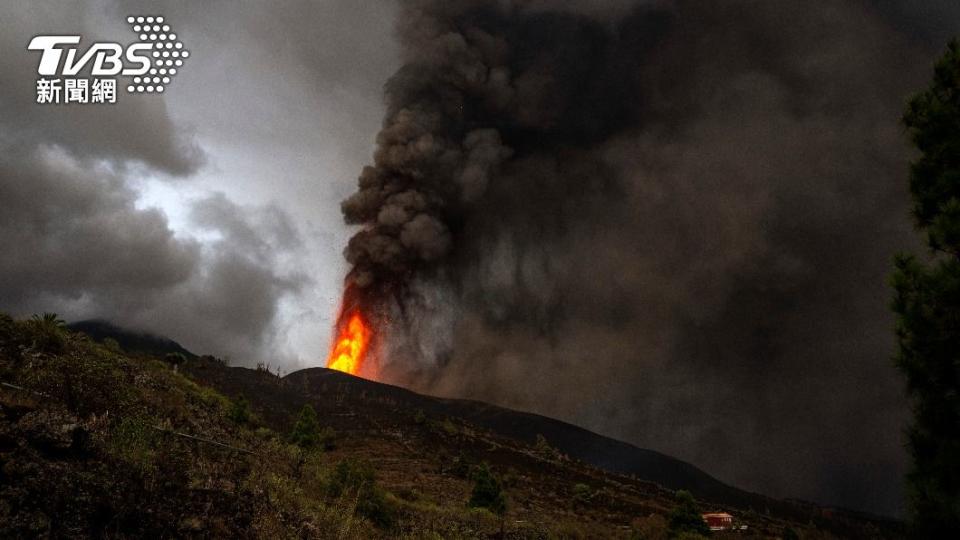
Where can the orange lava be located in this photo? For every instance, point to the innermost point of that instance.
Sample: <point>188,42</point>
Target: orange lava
<point>350,348</point>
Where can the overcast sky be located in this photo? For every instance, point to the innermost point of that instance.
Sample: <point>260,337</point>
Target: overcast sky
<point>235,174</point>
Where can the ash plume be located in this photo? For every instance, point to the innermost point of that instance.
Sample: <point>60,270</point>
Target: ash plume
<point>668,221</point>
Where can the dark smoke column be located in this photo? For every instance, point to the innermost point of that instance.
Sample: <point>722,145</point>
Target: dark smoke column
<point>433,159</point>
<point>676,211</point>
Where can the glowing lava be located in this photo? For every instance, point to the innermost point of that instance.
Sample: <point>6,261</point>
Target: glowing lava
<point>350,349</point>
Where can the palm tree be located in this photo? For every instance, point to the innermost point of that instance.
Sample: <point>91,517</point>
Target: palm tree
<point>49,320</point>
<point>48,332</point>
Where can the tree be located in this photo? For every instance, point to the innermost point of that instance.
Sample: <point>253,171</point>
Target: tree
<point>306,431</point>
<point>240,411</point>
<point>51,320</point>
<point>686,517</point>
<point>927,304</point>
<point>487,492</point>
<point>47,332</point>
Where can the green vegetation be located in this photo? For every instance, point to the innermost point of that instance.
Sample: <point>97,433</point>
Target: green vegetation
<point>487,492</point>
<point>307,433</point>
<point>686,518</point>
<point>175,359</point>
<point>357,482</point>
<point>135,441</point>
<point>545,450</point>
<point>49,320</point>
<point>120,447</point>
<point>46,333</point>
<point>240,411</point>
<point>112,345</point>
<point>927,304</point>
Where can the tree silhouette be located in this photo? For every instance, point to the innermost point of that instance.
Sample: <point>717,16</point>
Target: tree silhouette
<point>927,303</point>
<point>49,320</point>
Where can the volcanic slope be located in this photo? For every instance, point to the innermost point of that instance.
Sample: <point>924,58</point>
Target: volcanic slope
<point>96,441</point>
<point>427,445</point>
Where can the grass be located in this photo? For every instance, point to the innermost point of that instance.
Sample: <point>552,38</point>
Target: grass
<point>118,402</point>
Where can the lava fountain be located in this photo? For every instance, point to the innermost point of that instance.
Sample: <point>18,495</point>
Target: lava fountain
<point>352,342</point>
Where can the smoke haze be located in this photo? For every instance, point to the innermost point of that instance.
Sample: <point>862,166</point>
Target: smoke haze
<point>668,221</point>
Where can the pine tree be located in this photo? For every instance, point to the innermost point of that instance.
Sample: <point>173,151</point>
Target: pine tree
<point>927,303</point>
<point>306,432</point>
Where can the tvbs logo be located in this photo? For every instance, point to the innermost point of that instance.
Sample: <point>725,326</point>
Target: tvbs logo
<point>149,64</point>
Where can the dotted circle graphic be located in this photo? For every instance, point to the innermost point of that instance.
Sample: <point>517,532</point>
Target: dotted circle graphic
<point>167,52</point>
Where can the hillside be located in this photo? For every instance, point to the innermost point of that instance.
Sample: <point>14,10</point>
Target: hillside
<point>135,342</point>
<point>576,442</point>
<point>98,442</point>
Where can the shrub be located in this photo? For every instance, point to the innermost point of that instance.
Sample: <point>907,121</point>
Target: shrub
<point>175,359</point>
<point>545,450</point>
<point>239,411</point>
<point>462,465</point>
<point>9,336</point>
<point>135,442</point>
<point>356,479</point>
<point>327,438</point>
<point>686,517</point>
<point>652,527</point>
<point>582,493</point>
<point>112,345</point>
<point>487,492</point>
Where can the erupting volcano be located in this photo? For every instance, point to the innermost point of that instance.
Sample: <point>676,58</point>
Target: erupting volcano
<point>352,343</point>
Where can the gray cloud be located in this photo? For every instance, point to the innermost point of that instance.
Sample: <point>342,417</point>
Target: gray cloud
<point>68,228</point>
<point>231,304</point>
<point>77,241</point>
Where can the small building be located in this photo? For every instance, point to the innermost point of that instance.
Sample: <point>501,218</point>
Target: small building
<point>719,521</point>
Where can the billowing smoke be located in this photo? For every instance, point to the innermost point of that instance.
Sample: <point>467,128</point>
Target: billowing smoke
<point>668,221</point>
